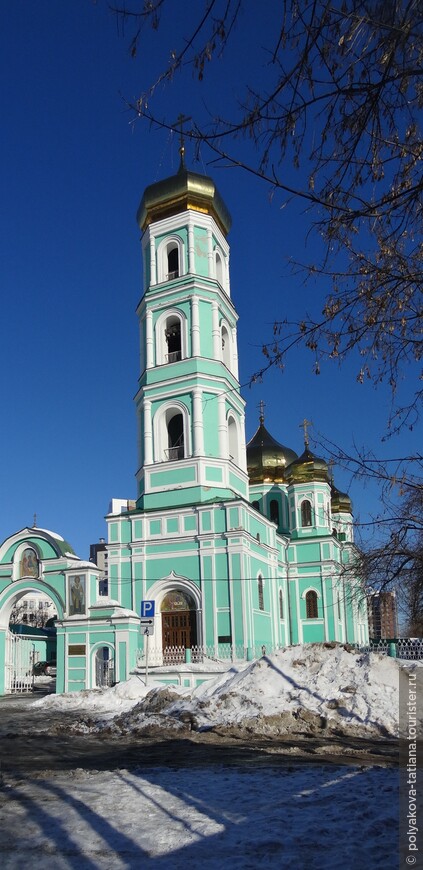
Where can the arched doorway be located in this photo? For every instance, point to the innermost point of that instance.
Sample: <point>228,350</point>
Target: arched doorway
<point>104,667</point>
<point>179,625</point>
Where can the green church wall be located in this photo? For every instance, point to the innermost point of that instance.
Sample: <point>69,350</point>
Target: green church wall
<point>138,530</point>
<point>190,524</point>
<point>113,581</point>
<point>313,633</point>
<point>222,592</point>
<point>172,477</point>
<point>126,585</point>
<point>201,251</point>
<point>238,484</point>
<point>237,597</point>
<point>206,521</point>
<point>308,552</point>
<point>219,521</point>
<point>122,661</point>
<point>224,626</point>
<point>125,531</point>
<point>172,525</point>
<point>206,337</point>
<point>42,546</point>
<point>262,627</point>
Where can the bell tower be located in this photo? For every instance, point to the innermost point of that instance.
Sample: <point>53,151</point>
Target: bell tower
<point>191,426</point>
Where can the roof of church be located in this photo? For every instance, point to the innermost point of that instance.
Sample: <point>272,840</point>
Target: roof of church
<point>340,501</point>
<point>266,458</point>
<point>185,190</point>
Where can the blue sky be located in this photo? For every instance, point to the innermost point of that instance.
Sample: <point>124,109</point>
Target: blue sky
<point>73,169</point>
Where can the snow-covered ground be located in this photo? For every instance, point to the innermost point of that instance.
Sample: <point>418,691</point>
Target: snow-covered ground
<point>305,817</point>
<point>291,814</point>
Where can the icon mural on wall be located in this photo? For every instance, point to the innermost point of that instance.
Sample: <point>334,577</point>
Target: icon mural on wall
<point>76,594</point>
<point>29,564</point>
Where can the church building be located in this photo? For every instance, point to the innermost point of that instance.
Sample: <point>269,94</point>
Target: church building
<point>236,547</point>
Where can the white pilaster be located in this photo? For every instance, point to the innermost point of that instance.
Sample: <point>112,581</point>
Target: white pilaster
<point>148,433</point>
<point>222,427</point>
<point>149,339</point>
<point>217,350</point>
<point>153,269</point>
<point>242,446</point>
<point>198,428</point>
<point>191,249</point>
<point>210,252</point>
<point>234,353</point>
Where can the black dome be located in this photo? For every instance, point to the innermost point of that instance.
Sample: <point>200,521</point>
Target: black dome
<point>266,458</point>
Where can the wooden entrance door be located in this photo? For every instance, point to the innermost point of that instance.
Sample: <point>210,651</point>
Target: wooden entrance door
<point>179,630</point>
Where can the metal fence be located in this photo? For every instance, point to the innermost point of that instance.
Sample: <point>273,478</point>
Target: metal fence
<point>402,648</point>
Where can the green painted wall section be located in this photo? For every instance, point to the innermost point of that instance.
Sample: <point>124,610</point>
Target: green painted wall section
<point>173,476</point>
<point>201,248</point>
<point>206,336</point>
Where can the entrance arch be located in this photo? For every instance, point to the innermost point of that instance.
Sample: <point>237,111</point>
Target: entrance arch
<point>103,666</point>
<point>158,592</point>
<point>179,625</point>
<point>26,643</point>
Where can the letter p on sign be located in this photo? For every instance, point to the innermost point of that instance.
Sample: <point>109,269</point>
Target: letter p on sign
<point>147,609</point>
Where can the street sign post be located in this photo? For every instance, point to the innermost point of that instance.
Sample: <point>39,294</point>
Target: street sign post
<point>147,627</point>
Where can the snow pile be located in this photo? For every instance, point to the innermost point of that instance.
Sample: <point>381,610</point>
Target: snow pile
<point>116,700</point>
<point>304,689</point>
<point>313,689</point>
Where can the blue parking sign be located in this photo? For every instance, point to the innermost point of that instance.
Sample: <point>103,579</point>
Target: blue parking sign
<point>147,609</point>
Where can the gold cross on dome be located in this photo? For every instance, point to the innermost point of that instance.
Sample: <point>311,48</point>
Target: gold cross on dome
<point>34,524</point>
<point>261,406</point>
<point>181,120</point>
<point>304,425</point>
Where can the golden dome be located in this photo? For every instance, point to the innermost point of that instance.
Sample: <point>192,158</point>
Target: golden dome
<point>266,458</point>
<point>340,501</point>
<point>185,190</point>
<point>307,468</point>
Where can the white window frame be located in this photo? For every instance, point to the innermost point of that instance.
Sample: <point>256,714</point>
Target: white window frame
<point>160,335</point>
<point>162,257</point>
<point>160,431</point>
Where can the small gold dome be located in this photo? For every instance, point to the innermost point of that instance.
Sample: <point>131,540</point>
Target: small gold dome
<point>307,468</point>
<point>185,190</point>
<point>340,501</point>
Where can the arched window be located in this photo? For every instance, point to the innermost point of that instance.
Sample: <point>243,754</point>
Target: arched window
<point>256,505</point>
<point>175,435</point>
<point>280,604</point>
<point>172,261</point>
<point>171,434</point>
<point>311,604</point>
<point>226,347</point>
<point>274,511</point>
<point>260,592</point>
<point>219,269</point>
<point>233,439</point>
<point>305,513</point>
<point>173,339</point>
<point>170,337</point>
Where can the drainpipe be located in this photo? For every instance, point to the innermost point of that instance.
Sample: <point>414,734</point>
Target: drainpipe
<point>289,596</point>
